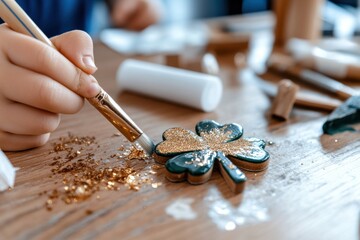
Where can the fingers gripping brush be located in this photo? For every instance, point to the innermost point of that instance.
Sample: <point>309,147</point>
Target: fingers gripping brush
<point>20,22</point>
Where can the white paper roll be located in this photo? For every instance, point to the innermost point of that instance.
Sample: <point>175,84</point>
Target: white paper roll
<point>332,63</point>
<point>197,90</point>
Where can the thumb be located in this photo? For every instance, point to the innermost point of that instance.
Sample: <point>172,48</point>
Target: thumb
<point>77,46</point>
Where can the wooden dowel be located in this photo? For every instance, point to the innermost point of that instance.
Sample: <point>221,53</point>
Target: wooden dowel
<point>284,100</point>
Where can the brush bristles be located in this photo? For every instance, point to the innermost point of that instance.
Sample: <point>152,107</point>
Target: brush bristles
<point>146,143</point>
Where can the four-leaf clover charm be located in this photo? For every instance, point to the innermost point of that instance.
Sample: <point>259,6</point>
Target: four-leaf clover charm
<point>191,156</point>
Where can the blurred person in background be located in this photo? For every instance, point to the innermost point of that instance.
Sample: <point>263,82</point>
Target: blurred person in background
<point>58,16</point>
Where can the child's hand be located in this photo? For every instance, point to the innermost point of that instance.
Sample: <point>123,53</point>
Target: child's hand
<point>135,14</point>
<point>37,83</point>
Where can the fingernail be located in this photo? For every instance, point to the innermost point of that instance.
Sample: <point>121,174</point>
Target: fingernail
<point>89,63</point>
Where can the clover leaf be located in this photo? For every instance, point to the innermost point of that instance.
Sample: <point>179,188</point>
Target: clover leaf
<point>191,156</point>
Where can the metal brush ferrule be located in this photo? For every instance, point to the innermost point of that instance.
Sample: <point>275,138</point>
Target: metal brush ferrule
<point>116,115</point>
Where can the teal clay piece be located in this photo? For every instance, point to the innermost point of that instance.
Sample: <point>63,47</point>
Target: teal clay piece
<point>342,117</point>
<point>189,156</point>
<point>195,163</point>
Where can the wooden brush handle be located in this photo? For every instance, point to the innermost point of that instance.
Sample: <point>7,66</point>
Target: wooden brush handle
<point>20,22</point>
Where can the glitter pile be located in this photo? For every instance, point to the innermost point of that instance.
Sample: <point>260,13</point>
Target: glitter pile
<point>83,174</point>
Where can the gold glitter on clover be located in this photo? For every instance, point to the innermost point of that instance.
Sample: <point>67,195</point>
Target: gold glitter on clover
<point>191,156</point>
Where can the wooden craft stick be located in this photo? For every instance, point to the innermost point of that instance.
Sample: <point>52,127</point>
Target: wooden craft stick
<point>306,100</point>
<point>302,99</point>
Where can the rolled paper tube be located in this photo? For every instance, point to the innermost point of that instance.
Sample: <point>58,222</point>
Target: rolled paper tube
<point>297,19</point>
<point>332,63</point>
<point>284,99</point>
<point>286,64</point>
<point>193,89</point>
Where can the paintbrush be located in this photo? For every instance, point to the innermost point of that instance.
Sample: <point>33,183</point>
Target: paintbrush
<point>20,22</point>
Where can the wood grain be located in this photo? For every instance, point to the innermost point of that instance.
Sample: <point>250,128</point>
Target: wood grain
<point>309,191</point>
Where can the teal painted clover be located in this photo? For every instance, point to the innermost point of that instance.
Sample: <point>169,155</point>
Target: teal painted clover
<point>191,156</point>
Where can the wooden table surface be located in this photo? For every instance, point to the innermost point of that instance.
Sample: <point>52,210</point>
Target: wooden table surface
<point>309,191</point>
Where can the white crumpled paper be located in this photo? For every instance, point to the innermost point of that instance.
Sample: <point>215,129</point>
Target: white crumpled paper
<point>7,173</point>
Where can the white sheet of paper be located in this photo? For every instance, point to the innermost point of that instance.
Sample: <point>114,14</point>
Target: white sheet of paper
<point>7,173</point>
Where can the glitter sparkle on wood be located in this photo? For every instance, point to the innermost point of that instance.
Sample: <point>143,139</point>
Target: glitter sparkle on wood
<point>82,174</point>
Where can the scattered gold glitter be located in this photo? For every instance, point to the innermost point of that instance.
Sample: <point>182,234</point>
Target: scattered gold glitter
<point>136,153</point>
<point>132,182</point>
<point>82,174</point>
<point>156,167</point>
<point>156,185</point>
<point>49,205</point>
<point>152,172</point>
